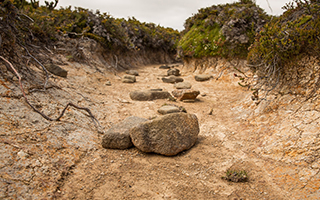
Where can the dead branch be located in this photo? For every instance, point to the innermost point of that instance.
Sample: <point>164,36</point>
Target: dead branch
<point>95,121</point>
<point>44,69</point>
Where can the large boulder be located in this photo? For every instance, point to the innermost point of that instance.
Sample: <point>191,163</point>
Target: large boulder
<point>185,94</point>
<point>167,135</point>
<point>203,77</point>
<point>149,95</point>
<point>118,136</point>
<point>172,79</point>
<point>174,72</point>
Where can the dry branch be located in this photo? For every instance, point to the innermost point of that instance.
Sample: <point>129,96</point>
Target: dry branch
<point>44,69</point>
<point>95,121</point>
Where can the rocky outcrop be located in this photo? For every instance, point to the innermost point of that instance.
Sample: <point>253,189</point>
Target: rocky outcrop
<point>149,95</point>
<point>118,136</point>
<point>167,135</point>
<point>164,67</point>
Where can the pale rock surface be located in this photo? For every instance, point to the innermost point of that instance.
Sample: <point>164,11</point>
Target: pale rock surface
<point>118,137</point>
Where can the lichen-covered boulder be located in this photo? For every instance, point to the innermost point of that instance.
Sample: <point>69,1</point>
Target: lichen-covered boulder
<point>167,135</point>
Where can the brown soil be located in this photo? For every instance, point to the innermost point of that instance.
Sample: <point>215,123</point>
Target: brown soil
<point>64,160</point>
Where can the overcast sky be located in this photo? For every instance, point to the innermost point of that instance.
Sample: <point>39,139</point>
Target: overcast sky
<point>167,13</point>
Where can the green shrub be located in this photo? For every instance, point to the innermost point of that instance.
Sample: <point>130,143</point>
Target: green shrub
<point>223,30</point>
<point>284,41</point>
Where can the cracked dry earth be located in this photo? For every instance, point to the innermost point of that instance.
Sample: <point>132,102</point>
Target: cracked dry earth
<point>277,144</point>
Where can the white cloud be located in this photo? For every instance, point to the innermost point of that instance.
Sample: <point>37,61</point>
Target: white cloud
<point>168,13</point>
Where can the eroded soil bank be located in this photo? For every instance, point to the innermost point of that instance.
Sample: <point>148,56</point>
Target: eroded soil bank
<point>277,144</point>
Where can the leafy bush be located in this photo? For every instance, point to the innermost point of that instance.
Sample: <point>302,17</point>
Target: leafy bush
<point>283,42</point>
<point>48,24</point>
<point>223,30</point>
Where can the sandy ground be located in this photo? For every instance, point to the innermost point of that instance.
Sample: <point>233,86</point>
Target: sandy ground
<point>64,160</point>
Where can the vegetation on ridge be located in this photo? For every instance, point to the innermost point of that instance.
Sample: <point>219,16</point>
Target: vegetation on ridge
<point>222,30</point>
<point>279,48</point>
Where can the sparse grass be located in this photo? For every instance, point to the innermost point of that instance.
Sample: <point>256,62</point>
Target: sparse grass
<point>236,176</point>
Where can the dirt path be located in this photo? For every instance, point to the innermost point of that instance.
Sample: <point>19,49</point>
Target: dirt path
<point>65,160</point>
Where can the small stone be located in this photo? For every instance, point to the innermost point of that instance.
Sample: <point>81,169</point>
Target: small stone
<point>183,85</point>
<point>168,109</point>
<point>164,67</point>
<point>108,83</point>
<point>132,72</point>
<point>173,72</point>
<point>186,94</point>
<point>22,154</point>
<point>129,79</point>
<point>149,95</point>
<point>203,77</point>
<point>172,79</point>
<point>56,70</point>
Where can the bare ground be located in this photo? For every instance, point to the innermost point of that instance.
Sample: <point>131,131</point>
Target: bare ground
<point>279,148</point>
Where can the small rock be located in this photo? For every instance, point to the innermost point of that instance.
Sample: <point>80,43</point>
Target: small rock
<point>118,136</point>
<point>172,79</point>
<point>22,154</point>
<point>164,67</point>
<point>203,77</point>
<point>132,72</point>
<point>186,94</point>
<point>167,135</point>
<point>56,70</point>
<point>156,89</point>
<point>149,95</point>
<point>129,79</point>
<point>171,108</point>
<point>183,85</point>
<point>108,83</point>
<point>168,109</point>
<point>173,72</point>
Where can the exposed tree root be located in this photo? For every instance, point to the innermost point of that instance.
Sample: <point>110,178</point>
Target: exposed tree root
<point>95,121</point>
